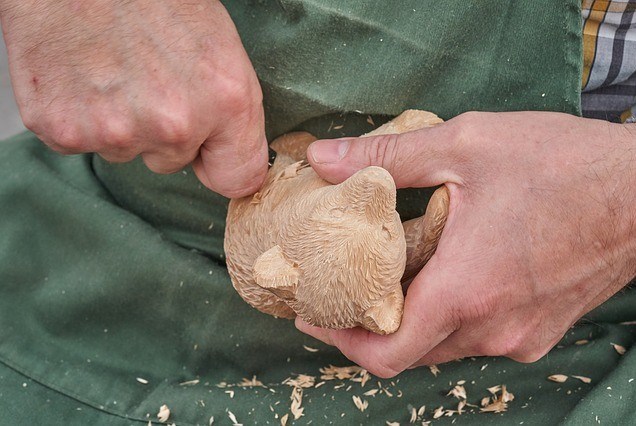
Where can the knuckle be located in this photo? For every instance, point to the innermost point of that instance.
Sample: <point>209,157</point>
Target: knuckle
<point>239,93</point>
<point>493,347</point>
<point>534,347</point>
<point>175,126</point>
<point>117,134</point>
<point>383,151</point>
<point>68,138</point>
<point>515,344</point>
<point>464,129</point>
<point>470,119</point>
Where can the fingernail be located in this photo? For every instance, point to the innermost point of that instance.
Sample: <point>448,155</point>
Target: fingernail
<point>329,151</point>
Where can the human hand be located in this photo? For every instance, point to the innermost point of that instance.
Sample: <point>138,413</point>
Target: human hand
<point>540,231</point>
<point>168,80</point>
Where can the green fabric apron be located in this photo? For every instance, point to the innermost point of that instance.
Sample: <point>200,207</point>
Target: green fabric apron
<point>113,290</point>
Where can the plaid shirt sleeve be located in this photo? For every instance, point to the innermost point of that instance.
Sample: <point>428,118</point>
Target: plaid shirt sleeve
<point>609,60</point>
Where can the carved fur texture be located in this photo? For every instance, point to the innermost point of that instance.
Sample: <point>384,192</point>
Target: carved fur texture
<point>332,254</point>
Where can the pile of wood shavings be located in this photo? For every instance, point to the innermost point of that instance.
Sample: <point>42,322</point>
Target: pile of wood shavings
<point>350,377</point>
<point>496,402</point>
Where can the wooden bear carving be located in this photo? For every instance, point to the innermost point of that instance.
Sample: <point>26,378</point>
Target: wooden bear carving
<point>333,254</point>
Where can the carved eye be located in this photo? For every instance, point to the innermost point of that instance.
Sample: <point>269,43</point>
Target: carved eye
<point>337,212</point>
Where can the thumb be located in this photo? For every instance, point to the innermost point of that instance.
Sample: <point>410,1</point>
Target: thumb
<point>234,161</point>
<point>414,159</point>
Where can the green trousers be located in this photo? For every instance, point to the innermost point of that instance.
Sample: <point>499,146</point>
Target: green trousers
<point>114,298</point>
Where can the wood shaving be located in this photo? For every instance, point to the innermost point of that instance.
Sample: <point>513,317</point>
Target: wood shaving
<point>310,349</point>
<point>619,349</point>
<point>164,413</point>
<point>371,392</point>
<point>458,392</point>
<point>413,418</point>
<point>483,367</point>
<point>257,198</point>
<point>283,420</point>
<point>497,406</point>
<point>341,373</point>
<point>230,392</point>
<point>297,400</point>
<point>559,378</point>
<point>301,381</point>
<point>421,411</point>
<point>494,389</point>
<point>388,423</point>
<point>211,422</point>
<point>250,383</point>
<point>370,120</point>
<point>363,377</point>
<point>233,419</point>
<point>581,342</point>
<point>142,381</point>
<point>190,383</point>
<point>496,403</point>
<point>583,379</point>
<point>439,412</point>
<point>288,172</point>
<point>245,383</point>
<point>505,395</point>
<point>434,370</point>
<point>360,403</point>
<point>628,323</point>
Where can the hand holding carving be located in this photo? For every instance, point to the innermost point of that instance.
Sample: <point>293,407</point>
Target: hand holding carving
<point>332,254</point>
<point>540,231</point>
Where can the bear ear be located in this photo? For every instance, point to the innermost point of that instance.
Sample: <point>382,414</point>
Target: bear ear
<point>386,316</point>
<point>371,192</point>
<point>273,272</point>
